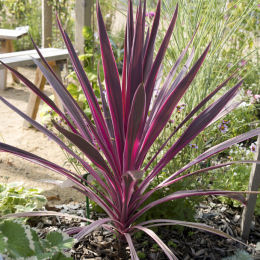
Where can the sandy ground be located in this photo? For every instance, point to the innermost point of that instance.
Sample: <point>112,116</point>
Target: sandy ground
<point>13,169</point>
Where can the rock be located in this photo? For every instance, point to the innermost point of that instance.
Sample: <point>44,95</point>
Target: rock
<point>100,238</point>
<point>236,218</point>
<point>223,209</point>
<point>200,252</point>
<point>257,248</point>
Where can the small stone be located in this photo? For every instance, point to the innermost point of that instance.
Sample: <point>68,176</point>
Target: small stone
<point>203,241</point>
<point>47,221</point>
<point>74,206</point>
<point>236,218</point>
<point>200,252</point>
<point>257,248</point>
<point>223,209</point>
<point>212,204</point>
<point>99,238</point>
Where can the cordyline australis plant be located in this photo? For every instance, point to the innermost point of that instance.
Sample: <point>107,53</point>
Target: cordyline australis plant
<point>118,139</point>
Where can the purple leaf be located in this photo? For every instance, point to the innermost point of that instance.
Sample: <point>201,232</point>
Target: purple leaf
<point>89,94</point>
<point>134,255</point>
<point>204,227</point>
<point>69,103</point>
<point>49,165</point>
<point>124,75</point>
<point>135,124</point>
<point>165,248</point>
<point>166,91</point>
<point>237,195</point>
<point>205,170</point>
<point>39,93</point>
<point>90,151</point>
<point>58,141</point>
<point>163,115</point>
<point>215,149</point>
<point>193,130</point>
<point>89,228</point>
<point>77,115</point>
<point>171,74</point>
<point>148,58</point>
<point>113,87</point>
<point>149,83</point>
<point>106,108</point>
<point>129,185</point>
<point>130,31</point>
<point>135,73</point>
<point>189,116</point>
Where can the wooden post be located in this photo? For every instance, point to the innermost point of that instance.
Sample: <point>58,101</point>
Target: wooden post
<point>7,46</point>
<point>46,23</point>
<point>3,76</point>
<point>34,100</point>
<point>55,67</point>
<point>254,184</point>
<point>82,18</point>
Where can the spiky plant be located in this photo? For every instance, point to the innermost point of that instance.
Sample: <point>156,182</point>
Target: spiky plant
<point>118,139</point>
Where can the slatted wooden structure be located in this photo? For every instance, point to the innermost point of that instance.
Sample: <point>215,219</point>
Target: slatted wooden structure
<point>55,58</point>
<point>7,36</point>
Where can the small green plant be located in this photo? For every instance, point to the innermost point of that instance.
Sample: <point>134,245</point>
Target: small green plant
<point>27,244</point>
<point>141,255</point>
<point>15,198</point>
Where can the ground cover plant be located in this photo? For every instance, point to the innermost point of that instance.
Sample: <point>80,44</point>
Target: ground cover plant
<point>27,243</point>
<point>118,137</point>
<point>16,198</point>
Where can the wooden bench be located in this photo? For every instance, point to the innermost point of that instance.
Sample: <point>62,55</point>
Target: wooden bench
<point>7,37</point>
<point>54,58</point>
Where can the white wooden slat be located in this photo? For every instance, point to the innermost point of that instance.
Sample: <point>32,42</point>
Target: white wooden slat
<point>9,34</point>
<point>24,58</point>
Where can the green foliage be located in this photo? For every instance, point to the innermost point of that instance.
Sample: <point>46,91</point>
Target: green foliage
<point>240,255</point>
<point>232,27</point>
<point>21,13</point>
<point>91,59</point>
<point>141,255</point>
<point>235,177</point>
<point>15,198</point>
<point>28,12</point>
<point>26,242</point>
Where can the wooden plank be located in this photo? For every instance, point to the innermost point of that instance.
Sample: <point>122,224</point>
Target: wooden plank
<point>45,52</point>
<point>83,10</point>
<point>34,100</point>
<point>24,58</point>
<point>254,184</point>
<point>9,34</point>
<point>56,68</point>
<point>46,23</point>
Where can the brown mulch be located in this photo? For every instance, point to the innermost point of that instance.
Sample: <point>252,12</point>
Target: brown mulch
<point>186,244</point>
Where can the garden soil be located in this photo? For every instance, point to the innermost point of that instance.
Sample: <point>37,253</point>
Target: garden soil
<point>12,132</point>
